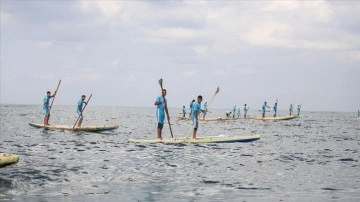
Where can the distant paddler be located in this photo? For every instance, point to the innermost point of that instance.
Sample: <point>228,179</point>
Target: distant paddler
<point>80,109</point>
<point>191,108</point>
<point>239,112</point>
<point>183,111</point>
<point>234,111</point>
<point>264,106</point>
<point>245,110</point>
<point>298,109</point>
<point>228,114</point>
<point>204,110</point>
<point>290,109</point>
<point>275,108</point>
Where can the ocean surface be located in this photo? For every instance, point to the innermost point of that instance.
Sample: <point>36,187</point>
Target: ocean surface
<point>311,158</point>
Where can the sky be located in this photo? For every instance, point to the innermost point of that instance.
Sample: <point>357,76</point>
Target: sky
<point>299,52</point>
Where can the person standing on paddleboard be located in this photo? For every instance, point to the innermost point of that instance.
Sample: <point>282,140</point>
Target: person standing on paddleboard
<point>290,110</point>
<point>196,106</point>
<point>275,109</point>
<point>264,109</point>
<point>191,109</point>
<point>298,109</point>
<point>204,110</point>
<point>184,111</point>
<point>245,110</point>
<point>80,109</point>
<point>160,112</point>
<point>234,110</point>
<point>46,107</point>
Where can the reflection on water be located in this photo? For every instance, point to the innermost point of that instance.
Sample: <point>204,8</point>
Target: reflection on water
<point>314,157</point>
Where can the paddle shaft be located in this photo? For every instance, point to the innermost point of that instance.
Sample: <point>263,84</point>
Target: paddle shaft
<point>166,110</point>
<point>82,111</point>
<point>57,88</point>
<point>216,92</point>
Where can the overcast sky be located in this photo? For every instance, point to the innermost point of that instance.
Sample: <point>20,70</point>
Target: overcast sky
<point>301,52</point>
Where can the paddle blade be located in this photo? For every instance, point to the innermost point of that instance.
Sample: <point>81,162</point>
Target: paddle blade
<point>217,90</point>
<point>160,81</point>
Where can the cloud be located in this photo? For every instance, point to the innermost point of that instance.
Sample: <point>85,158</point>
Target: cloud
<point>352,56</point>
<point>131,77</point>
<point>219,72</point>
<point>45,44</point>
<point>4,18</point>
<point>189,74</point>
<point>246,71</point>
<point>169,35</point>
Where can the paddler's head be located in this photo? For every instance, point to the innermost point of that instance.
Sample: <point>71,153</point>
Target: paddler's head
<point>199,99</point>
<point>164,92</point>
<point>83,97</point>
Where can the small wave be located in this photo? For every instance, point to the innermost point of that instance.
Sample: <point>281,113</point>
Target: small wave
<point>330,189</point>
<point>347,159</point>
<point>210,181</point>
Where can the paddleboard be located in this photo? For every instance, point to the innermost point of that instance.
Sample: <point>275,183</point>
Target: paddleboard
<point>209,139</point>
<point>277,118</point>
<point>8,159</point>
<point>82,128</point>
<point>212,119</point>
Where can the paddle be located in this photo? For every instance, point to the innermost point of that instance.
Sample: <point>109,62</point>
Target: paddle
<point>82,111</point>
<point>166,109</point>
<point>57,88</point>
<point>216,92</point>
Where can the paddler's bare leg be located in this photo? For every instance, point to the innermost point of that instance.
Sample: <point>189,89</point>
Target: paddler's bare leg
<point>159,130</point>
<point>80,122</point>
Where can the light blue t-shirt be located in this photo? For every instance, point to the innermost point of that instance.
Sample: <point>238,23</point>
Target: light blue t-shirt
<point>196,108</point>
<point>245,109</point>
<point>47,101</point>
<point>264,107</point>
<point>161,106</point>
<point>80,106</point>
<point>191,107</point>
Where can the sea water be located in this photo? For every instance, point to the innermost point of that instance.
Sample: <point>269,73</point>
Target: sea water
<point>311,158</point>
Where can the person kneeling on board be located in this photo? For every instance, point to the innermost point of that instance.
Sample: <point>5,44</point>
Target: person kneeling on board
<point>228,114</point>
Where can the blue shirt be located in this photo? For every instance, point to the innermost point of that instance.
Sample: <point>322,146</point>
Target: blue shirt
<point>47,101</point>
<point>191,107</point>
<point>245,109</point>
<point>160,100</point>
<point>80,105</point>
<point>196,109</point>
<point>264,107</point>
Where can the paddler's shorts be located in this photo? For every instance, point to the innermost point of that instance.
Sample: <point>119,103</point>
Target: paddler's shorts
<point>81,116</point>
<point>160,125</point>
<point>46,111</point>
<point>160,115</point>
